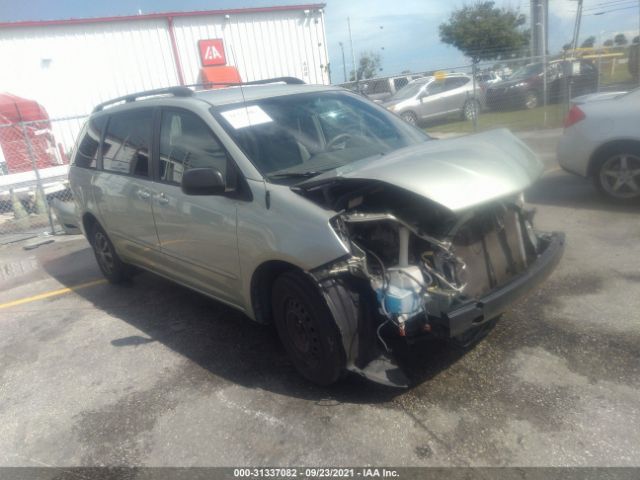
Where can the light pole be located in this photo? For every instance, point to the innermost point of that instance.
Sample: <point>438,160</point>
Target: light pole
<point>353,56</point>
<point>344,64</point>
<point>576,28</point>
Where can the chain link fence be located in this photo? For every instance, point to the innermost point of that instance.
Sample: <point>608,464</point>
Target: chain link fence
<point>527,93</point>
<point>34,165</point>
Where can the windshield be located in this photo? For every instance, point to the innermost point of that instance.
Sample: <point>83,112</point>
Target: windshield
<point>527,71</point>
<point>305,134</point>
<point>408,91</point>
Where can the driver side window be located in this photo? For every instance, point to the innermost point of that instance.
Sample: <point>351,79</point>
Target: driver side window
<point>435,87</point>
<point>186,142</point>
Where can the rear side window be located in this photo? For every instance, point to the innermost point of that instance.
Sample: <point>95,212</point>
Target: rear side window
<point>398,83</point>
<point>127,143</point>
<point>186,142</point>
<point>378,86</point>
<point>87,149</point>
<point>455,82</point>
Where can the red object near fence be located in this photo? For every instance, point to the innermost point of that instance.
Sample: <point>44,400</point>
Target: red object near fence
<point>15,144</point>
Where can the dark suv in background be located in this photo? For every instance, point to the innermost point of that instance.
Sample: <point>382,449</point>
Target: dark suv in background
<point>524,88</point>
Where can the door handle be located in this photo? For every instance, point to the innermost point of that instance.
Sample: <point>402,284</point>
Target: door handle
<point>143,195</point>
<point>162,199</point>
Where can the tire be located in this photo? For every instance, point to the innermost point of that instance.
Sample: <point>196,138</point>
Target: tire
<point>617,174</point>
<point>307,329</point>
<point>531,99</point>
<point>410,117</point>
<point>470,109</point>
<point>111,266</point>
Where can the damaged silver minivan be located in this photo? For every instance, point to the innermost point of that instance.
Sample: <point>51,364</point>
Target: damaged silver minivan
<point>316,210</point>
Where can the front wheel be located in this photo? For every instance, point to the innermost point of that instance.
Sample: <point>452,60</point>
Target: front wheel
<point>307,329</point>
<point>618,175</point>
<point>112,267</point>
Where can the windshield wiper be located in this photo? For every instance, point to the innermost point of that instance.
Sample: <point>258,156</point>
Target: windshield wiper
<point>308,174</point>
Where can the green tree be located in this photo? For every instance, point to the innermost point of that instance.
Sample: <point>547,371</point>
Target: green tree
<point>636,39</point>
<point>369,64</point>
<point>484,32</point>
<point>567,46</point>
<point>608,43</point>
<point>620,39</point>
<point>589,42</point>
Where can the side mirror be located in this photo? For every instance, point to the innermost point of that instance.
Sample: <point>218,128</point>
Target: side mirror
<point>203,181</point>
<point>423,95</point>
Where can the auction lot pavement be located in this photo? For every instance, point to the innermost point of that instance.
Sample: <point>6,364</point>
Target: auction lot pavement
<point>153,374</point>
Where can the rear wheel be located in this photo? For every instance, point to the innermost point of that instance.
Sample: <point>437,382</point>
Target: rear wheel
<point>112,267</point>
<point>531,100</point>
<point>307,329</point>
<point>618,175</point>
<point>410,117</point>
<point>470,109</point>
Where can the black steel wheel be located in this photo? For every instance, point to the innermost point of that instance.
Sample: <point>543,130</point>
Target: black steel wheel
<point>112,267</point>
<point>307,329</point>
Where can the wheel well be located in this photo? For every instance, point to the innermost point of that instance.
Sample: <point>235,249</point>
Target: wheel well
<point>261,285</point>
<point>88,221</point>
<point>609,149</point>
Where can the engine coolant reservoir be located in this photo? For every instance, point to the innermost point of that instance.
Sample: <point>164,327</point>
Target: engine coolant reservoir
<point>402,295</point>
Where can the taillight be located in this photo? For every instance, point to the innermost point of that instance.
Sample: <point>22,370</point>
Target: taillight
<point>574,116</point>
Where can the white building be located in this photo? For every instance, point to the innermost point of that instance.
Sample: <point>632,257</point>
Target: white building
<point>68,66</point>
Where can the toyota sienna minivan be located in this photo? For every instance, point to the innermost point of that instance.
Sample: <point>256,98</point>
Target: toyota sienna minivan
<point>316,210</point>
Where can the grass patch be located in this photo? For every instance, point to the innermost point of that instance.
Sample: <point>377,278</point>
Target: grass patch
<point>514,120</point>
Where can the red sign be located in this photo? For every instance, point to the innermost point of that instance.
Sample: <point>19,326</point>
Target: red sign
<point>212,52</point>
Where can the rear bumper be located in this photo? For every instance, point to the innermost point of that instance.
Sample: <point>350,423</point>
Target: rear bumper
<point>496,302</point>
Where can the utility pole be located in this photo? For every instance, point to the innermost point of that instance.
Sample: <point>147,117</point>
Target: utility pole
<point>344,64</point>
<point>576,29</point>
<point>543,40</point>
<point>353,56</point>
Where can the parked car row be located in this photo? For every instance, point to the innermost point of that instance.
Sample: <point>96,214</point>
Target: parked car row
<point>416,97</point>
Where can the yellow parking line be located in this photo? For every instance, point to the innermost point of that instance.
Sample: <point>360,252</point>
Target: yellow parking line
<point>52,293</point>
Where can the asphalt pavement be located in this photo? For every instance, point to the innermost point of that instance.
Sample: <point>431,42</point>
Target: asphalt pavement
<point>152,374</point>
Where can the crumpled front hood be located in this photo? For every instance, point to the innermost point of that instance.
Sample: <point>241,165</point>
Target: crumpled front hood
<point>456,173</point>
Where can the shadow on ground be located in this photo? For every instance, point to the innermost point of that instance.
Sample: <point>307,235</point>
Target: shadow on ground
<point>222,340</point>
<point>565,190</point>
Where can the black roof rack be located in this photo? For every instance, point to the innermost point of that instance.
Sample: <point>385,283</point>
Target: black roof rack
<point>266,81</point>
<point>184,91</point>
<point>175,91</point>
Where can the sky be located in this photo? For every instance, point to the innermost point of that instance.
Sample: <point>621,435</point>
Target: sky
<point>404,33</point>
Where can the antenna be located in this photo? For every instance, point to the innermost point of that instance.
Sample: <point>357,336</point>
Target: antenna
<point>244,100</point>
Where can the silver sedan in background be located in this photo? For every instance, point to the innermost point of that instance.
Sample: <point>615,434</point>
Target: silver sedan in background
<point>601,141</point>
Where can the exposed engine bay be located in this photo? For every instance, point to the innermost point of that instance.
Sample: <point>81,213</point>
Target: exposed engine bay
<point>423,261</point>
